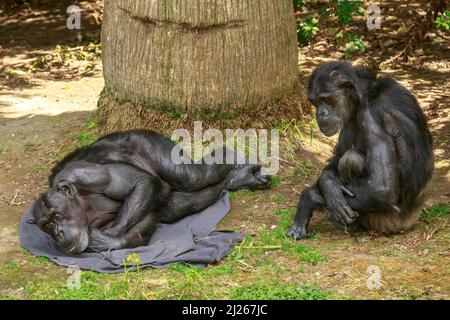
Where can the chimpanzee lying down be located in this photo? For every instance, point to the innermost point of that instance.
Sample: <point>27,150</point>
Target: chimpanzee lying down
<point>383,159</point>
<point>112,193</point>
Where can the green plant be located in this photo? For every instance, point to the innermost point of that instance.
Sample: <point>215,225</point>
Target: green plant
<point>132,259</point>
<point>306,30</point>
<point>345,9</point>
<point>354,43</point>
<point>438,210</point>
<point>299,4</point>
<point>443,21</point>
<point>85,138</point>
<point>91,52</point>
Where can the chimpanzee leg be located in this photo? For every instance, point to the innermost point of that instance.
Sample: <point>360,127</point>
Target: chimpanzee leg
<point>310,200</point>
<point>182,204</point>
<point>192,176</point>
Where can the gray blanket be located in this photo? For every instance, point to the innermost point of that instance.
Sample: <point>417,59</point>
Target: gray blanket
<point>190,240</point>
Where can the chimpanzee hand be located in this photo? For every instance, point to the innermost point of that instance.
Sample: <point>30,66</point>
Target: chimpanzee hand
<point>298,231</point>
<point>341,210</point>
<point>115,231</point>
<point>99,241</point>
<point>247,176</point>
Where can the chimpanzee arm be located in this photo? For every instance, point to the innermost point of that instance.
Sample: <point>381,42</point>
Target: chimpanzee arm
<point>331,189</point>
<point>379,190</point>
<point>137,189</point>
<point>86,176</point>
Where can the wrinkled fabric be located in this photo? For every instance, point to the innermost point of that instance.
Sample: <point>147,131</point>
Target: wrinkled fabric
<point>190,240</point>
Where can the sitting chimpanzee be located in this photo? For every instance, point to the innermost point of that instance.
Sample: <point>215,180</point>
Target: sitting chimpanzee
<point>383,160</point>
<point>111,194</point>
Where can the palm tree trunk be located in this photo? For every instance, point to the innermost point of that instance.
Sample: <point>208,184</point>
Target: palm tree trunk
<point>198,58</point>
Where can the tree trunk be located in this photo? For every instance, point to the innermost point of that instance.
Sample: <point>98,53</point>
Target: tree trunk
<point>208,59</point>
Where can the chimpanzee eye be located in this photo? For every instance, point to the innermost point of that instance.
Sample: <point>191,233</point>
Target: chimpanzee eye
<point>328,100</point>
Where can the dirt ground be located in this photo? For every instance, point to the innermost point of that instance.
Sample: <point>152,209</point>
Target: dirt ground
<point>45,112</point>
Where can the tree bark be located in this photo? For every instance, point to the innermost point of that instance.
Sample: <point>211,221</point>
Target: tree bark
<point>199,57</point>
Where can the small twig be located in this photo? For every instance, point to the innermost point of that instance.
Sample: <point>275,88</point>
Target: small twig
<point>298,192</point>
<point>262,247</point>
<point>13,201</point>
<point>246,264</point>
<point>287,161</point>
<point>435,229</point>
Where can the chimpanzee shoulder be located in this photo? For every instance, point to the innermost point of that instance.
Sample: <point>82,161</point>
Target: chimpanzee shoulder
<point>114,147</point>
<point>77,154</point>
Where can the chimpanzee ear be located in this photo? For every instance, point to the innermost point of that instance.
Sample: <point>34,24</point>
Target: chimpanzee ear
<point>345,82</point>
<point>341,80</point>
<point>67,187</point>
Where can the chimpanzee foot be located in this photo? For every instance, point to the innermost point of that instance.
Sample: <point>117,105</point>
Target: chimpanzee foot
<point>298,231</point>
<point>247,176</point>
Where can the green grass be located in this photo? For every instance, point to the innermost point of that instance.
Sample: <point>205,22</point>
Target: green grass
<point>91,124</point>
<point>93,286</point>
<point>439,210</point>
<point>275,181</point>
<point>284,213</point>
<point>85,138</point>
<point>305,168</point>
<point>276,239</point>
<point>278,198</point>
<point>39,260</point>
<point>234,195</point>
<point>13,265</point>
<point>262,291</point>
<point>307,254</point>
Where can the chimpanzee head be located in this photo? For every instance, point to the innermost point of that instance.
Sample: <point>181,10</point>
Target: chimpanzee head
<point>61,213</point>
<point>337,89</point>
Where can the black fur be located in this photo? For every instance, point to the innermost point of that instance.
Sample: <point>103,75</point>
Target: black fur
<point>111,194</point>
<point>381,122</point>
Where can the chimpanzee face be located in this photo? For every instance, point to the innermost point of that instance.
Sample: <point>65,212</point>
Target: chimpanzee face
<point>59,212</point>
<point>332,93</point>
<point>327,115</point>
